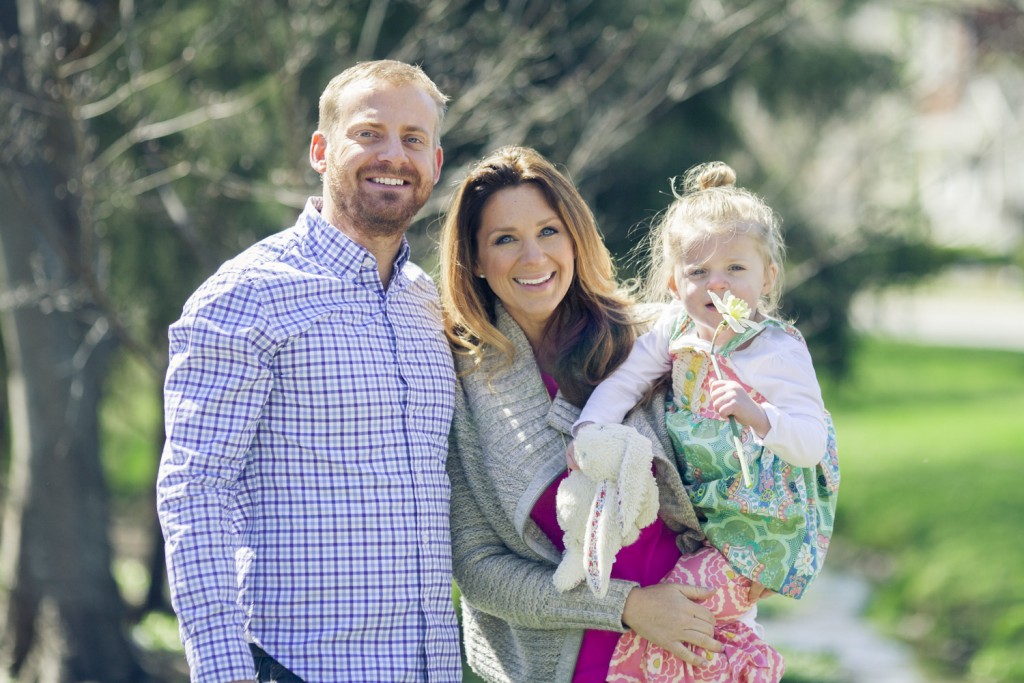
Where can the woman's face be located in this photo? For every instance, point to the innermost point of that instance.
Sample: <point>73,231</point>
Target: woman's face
<point>526,254</point>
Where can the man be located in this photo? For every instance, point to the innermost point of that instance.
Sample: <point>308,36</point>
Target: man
<point>302,489</point>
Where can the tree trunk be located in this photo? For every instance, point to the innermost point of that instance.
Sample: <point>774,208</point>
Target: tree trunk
<point>61,614</point>
<point>60,608</point>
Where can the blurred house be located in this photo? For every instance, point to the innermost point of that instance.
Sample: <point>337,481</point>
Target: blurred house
<point>947,138</point>
<point>966,70</point>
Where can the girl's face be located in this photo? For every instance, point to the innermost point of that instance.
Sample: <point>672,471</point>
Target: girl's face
<point>734,265</point>
<point>526,254</point>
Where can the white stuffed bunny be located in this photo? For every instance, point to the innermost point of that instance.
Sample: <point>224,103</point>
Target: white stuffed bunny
<point>603,505</point>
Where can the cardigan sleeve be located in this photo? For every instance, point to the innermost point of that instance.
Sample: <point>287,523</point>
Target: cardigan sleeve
<point>511,584</point>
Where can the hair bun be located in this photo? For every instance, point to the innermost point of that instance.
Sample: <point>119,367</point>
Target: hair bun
<point>709,175</point>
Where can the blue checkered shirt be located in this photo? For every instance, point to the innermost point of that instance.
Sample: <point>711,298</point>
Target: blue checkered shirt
<point>302,489</point>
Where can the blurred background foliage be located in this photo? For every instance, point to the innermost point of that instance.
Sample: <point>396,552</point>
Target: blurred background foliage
<point>196,127</point>
<point>189,126</point>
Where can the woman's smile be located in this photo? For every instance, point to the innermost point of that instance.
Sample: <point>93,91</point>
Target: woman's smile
<point>535,281</point>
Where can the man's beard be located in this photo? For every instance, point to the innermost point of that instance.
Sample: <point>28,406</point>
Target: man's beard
<point>384,213</point>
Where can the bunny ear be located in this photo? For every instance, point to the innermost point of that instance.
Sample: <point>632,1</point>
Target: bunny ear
<point>637,491</point>
<point>569,507</point>
<point>569,573</point>
<point>574,492</point>
<point>601,541</point>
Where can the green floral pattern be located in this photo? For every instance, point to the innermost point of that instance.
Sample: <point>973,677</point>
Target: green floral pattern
<point>776,532</point>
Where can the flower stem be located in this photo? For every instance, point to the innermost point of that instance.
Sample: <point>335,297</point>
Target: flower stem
<point>737,443</point>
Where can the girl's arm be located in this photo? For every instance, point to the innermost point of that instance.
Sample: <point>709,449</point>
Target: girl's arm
<point>647,363</point>
<point>780,369</point>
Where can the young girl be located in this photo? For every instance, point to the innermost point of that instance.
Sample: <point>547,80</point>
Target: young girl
<point>717,239</point>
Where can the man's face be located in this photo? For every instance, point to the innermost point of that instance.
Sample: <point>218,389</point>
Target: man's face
<point>381,162</point>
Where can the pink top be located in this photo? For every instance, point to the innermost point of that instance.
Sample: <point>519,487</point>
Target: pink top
<point>647,561</point>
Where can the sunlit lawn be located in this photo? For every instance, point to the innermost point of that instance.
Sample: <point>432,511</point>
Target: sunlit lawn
<point>932,453</point>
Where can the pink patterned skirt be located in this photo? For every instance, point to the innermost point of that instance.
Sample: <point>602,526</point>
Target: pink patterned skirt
<point>746,657</point>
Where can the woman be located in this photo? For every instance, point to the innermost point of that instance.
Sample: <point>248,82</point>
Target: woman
<point>532,311</point>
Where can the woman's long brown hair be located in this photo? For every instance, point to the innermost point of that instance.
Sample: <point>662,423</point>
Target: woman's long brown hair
<point>590,332</point>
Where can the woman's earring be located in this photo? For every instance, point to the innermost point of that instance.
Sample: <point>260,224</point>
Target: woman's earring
<point>481,276</point>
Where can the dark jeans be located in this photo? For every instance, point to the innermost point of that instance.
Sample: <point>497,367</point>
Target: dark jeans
<point>268,670</point>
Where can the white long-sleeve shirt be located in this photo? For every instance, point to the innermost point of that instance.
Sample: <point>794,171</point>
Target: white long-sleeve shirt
<point>775,364</point>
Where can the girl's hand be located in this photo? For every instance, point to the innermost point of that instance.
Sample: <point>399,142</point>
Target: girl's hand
<point>570,461</point>
<point>759,591</point>
<point>666,615</point>
<point>730,398</point>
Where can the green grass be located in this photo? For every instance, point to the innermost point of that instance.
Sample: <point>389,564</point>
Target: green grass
<point>932,452</point>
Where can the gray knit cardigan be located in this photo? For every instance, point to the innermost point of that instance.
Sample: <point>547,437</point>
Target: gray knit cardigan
<point>507,445</point>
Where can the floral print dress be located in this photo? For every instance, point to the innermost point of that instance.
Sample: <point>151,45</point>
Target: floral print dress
<point>777,531</point>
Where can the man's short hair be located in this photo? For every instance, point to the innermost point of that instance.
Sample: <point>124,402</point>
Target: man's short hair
<point>387,70</point>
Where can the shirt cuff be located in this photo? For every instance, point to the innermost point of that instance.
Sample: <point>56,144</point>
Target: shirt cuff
<point>217,658</point>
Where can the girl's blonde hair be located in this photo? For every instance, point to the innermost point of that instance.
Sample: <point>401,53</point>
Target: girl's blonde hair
<point>591,330</point>
<point>709,207</point>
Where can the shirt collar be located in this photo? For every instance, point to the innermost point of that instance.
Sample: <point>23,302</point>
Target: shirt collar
<point>336,250</point>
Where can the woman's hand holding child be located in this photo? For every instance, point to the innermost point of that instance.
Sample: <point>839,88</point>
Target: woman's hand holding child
<point>667,615</point>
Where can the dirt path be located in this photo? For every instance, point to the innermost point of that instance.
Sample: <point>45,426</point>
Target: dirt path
<point>829,619</point>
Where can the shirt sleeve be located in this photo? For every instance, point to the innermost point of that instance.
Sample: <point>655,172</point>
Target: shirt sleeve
<point>647,362</point>
<point>217,384</point>
<point>780,369</point>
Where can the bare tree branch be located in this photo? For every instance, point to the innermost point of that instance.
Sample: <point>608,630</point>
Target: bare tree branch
<point>712,48</point>
<point>93,60</point>
<point>131,88</point>
<point>192,119</point>
<point>375,14</point>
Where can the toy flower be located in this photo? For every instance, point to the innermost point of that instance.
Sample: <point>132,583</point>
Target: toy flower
<point>736,315</point>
